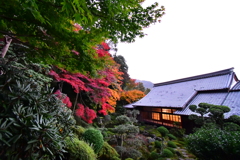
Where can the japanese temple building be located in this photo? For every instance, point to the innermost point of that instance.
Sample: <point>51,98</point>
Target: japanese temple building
<point>169,102</point>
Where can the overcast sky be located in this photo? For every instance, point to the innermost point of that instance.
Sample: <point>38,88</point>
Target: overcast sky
<point>194,37</point>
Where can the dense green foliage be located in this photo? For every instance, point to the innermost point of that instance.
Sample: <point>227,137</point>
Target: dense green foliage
<point>158,144</point>
<point>108,153</point>
<point>171,144</point>
<point>234,119</point>
<point>216,113</point>
<point>64,33</point>
<point>93,137</point>
<point>164,131</point>
<point>154,155</point>
<point>79,150</point>
<point>172,137</point>
<point>215,144</point>
<point>167,153</point>
<point>78,131</point>
<point>33,121</point>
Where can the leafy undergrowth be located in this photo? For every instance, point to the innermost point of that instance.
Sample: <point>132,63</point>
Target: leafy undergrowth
<point>179,151</point>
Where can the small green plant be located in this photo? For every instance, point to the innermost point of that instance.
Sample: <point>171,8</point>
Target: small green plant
<point>167,153</point>
<point>93,137</point>
<point>171,149</point>
<point>171,144</point>
<point>171,137</point>
<point>158,144</point>
<point>154,155</point>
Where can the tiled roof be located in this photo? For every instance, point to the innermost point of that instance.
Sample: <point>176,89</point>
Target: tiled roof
<point>233,102</point>
<point>178,93</point>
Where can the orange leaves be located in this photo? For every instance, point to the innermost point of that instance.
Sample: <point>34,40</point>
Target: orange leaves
<point>114,97</point>
<point>132,96</point>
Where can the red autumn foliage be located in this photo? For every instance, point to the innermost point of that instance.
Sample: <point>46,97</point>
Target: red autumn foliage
<point>102,91</point>
<point>87,114</point>
<point>102,50</point>
<point>64,98</point>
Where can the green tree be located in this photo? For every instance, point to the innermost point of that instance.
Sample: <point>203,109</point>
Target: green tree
<point>64,33</point>
<point>123,68</point>
<point>215,113</point>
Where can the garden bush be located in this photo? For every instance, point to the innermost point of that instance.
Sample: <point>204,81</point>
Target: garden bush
<point>79,150</point>
<point>158,144</point>
<point>108,153</point>
<point>171,144</point>
<point>93,137</point>
<point>164,131</point>
<point>214,144</point>
<point>178,132</point>
<point>154,155</point>
<point>167,153</point>
<point>34,122</point>
<point>230,126</point>
<point>171,149</point>
<point>78,130</point>
<point>171,137</point>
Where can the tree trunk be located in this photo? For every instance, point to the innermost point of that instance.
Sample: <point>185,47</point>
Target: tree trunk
<point>8,41</point>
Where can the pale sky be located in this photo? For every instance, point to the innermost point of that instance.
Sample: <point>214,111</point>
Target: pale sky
<point>194,37</point>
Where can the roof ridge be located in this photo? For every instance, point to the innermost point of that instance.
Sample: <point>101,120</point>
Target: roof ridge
<point>212,74</point>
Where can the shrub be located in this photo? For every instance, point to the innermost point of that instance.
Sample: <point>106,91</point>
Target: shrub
<point>154,155</point>
<point>35,121</point>
<point>78,130</point>
<point>108,152</point>
<point>230,126</point>
<point>234,119</point>
<point>158,144</point>
<point>93,137</point>
<point>178,132</point>
<point>171,144</point>
<point>133,153</point>
<point>171,149</point>
<point>167,153</point>
<point>171,137</point>
<point>214,144</point>
<point>79,150</point>
<point>164,131</point>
